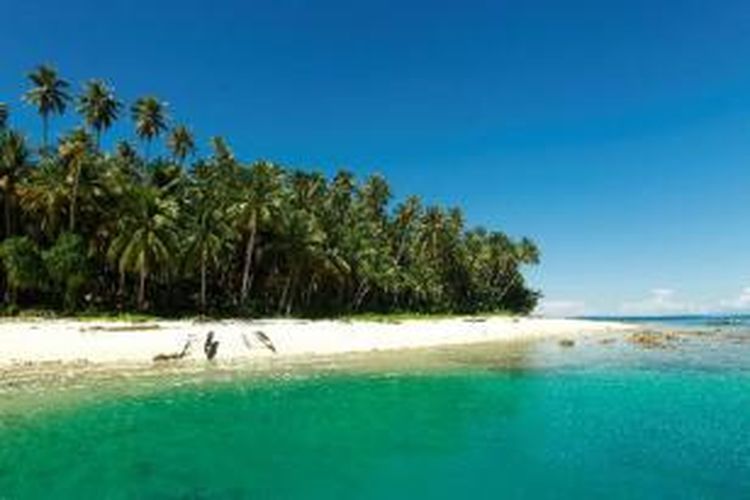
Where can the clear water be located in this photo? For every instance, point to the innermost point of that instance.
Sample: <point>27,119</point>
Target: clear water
<point>532,421</point>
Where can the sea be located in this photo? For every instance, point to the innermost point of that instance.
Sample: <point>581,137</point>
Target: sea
<point>600,416</point>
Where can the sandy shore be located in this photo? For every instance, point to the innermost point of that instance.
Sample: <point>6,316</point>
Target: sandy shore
<point>67,341</point>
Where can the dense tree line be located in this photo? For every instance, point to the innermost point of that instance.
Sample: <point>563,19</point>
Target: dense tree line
<point>85,228</point>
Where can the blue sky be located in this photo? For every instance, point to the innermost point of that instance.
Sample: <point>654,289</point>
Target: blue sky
<point>616,134</point>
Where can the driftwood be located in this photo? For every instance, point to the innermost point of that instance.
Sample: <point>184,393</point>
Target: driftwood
<point>265,340</point>
<point>175,356</point>
<point>121,328</point>
<point>262,337</point>
<point>210,346</point>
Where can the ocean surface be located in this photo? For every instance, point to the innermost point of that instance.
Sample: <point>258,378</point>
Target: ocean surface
<point>602,418</point>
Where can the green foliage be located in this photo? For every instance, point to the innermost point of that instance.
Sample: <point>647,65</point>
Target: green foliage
<point>181,143</point>
<point>173,234</point>
<point>146,238</point>
<point>14,160</point>
<point>48,94</point>
<point>23,266</point>
<point>98,106</point>
<point>68,268</point>
<point>150,117</point>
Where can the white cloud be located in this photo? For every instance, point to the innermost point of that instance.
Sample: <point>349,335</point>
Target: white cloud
<point>739,303</point>
<point>560,308</point>
<point>658,301</point>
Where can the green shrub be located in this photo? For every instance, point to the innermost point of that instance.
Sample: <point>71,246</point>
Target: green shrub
<point>67,267</point>
<point>23,266</point>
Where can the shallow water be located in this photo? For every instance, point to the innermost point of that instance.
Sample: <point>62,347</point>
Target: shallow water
<point>526,421</point>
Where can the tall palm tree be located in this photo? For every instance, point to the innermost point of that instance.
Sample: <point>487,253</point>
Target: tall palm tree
<point>208,234</point>
<point>3,116</point>
<point>150,117</point>
<point>433,229</point>
<point>74,151</point>
<point>301,243</point>
<point>14,158</point>
<point>147,236</point>
<point>405,224</point>
<point>99,107</point>
<point>257,202</point>
<point>49,95</point>
<point>181,143</point>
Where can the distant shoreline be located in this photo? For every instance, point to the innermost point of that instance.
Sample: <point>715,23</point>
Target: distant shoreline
<point>66,341</point>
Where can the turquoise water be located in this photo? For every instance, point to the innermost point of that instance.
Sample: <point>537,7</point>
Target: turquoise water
<point>540,422</point>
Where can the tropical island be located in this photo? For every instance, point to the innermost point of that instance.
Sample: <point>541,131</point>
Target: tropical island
<point>90,231</point>
<point>124,229</point>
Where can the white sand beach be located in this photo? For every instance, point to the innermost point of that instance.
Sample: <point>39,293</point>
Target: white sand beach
<point>70,341</point>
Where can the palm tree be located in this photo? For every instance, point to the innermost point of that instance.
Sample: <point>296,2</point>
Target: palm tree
<point>125,151</point>
<point>181,143</point>
<point>99,107</point>
<point>14,158</point>
<point>301,243</point>
<point>405,224</point>
<point>3,116</point>
<point>74,151</point>
<point>433,229</point>
<point>524,252</point>
<point>375,195</point>
<point>147,236</point>
<point>528,252</point>
<point>337,208</point>
<point>44,196</point>
<point>208,233</point>
<point>150,117</point>
<point>258,201</point>
<point>49,95</point>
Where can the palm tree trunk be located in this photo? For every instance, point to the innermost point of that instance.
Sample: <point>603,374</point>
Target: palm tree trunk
<point>45,133</point>
<point>284,294</point>
<point>401,248</point>
<point>359,297</point>
<point>142,288</point>
<point>309,292</point>
<point>74,196</point>
<point>248,258</point>
<point>121,286</point>
<point>508,287</point>
<point>8,228</point>
<point>203,282</point>
<point>292,294</point>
